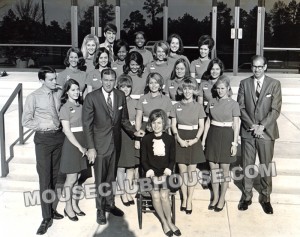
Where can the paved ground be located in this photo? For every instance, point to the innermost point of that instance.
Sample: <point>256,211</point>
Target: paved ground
<point>18,220</point>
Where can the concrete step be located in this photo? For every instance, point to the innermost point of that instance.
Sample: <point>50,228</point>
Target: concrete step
<point>7,184</point>
<point>23,172</point>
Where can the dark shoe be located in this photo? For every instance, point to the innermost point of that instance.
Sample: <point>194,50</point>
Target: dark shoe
<point>218,209</point>
<point>188,212</point>
<point>182,208</point>
<point>211,207</point>
<point>73,218</point>
<point>101,218</point>
<point>177,232</point>
<point>127,204</point>
<point>46,223</point>
<point>81,213</point>
<point>169,233</point>
<point>243,205</point>
<point>116,211</point>
<point>56,215</point>
<point>131,202</point>
<point>267,207</point>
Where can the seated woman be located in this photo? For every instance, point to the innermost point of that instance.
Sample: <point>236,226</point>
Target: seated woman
<point>158,159</point>
<point>220,138</point>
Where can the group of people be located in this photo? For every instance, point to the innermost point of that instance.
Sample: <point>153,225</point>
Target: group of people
<point>117,109</point>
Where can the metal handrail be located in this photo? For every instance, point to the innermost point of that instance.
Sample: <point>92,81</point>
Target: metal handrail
<point>281,49</point>
<point>18,91</point>
<point>38,45</point>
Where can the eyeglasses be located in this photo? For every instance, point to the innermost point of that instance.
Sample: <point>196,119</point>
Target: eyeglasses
<point>257,67</point>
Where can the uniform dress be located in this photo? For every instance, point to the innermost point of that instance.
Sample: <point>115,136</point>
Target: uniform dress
<point>117,66</point>
<point>93,79</point>
<point>171,88</point>
<point>188,114</point>
<point>128,157</point>
<point>218,141</point>
<point>89,63</point>
<point>138,84</point>
<point>172,59</point>
<point>76,74</point>
<point>146,54</point>
<point>147,103</point>
<point>165,69</point>
<point>206,90</point>
<point>71,158</point>
<point>198,67</point>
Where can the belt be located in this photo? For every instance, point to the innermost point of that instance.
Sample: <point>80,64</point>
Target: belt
<point>187,127</point>
<point>145,118</point>
<point>221,124</point>
<point>49,131</point>
<point>76,129</point>
<point>135,97</point>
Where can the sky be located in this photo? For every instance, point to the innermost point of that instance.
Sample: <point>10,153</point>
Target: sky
<point>59,10</point>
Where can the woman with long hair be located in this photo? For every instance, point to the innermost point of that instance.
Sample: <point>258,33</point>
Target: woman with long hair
<point>88,48</point>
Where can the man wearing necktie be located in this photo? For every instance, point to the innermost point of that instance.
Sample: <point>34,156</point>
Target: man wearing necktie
<point>41,115</point>
<point>260,100</point>
<point>104,114</point>
<point>110,31</point>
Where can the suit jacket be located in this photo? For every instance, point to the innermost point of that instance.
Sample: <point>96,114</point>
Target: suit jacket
<point>99,128</point>
<point>265,111</point>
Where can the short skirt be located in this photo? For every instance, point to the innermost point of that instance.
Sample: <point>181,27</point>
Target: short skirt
<point>218,145</point>
<point>71,158</point>
<point>189,155</point>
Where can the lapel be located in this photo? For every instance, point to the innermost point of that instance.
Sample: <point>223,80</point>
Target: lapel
<point>103,101</point>
<point>115,105</point>
<point>252,89</point>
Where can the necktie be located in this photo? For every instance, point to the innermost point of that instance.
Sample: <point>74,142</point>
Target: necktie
<point>109,105</point>
<point>53,110</point>
<point>111,53</point>
<point>258,89</point>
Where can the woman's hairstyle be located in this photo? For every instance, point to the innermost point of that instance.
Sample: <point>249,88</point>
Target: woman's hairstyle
<point>119,44</point>
<point>206,75</point>
<point>186,65</point>
<point>157,77</point>
<point>154,115</point>
<point>87,39</point>
<point>226,81</point>
<point>206,40</point>
<point>98,53</point>
<point>162,44</point>
<point>81,60</point>
<point>124,80</point>
<point>188,82</point>
<point>138,58</point>
<point>140,33</point>
<point>66,88</point>
<point>181,49</point>
<point>43,71</point>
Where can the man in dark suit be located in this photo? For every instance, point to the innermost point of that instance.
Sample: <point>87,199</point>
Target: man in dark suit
<point>260,102</point>
<point>104,113</point>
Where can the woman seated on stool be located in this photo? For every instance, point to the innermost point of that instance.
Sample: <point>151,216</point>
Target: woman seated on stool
<point>158,159</point>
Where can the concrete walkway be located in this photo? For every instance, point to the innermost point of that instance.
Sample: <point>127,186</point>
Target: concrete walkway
<point>18,220</point>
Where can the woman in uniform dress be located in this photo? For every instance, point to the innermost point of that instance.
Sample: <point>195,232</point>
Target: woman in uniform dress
<point>73,61</point>
<point>161,64</point>
<point>176,49</point>
<point>121,49</point>
<point>128,161</point>
<point>187,127</point>
<point>101,61</point>
<point>207,91</point>
<point>220,139</point>
<point>153,99</point>
<point>180,71</point>
<point>89,46</point>
<point>140,40</point>
<point>73,151</point>
<point>199,66</point>
<point>134,67</point>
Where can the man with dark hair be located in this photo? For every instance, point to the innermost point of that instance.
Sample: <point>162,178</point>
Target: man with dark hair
<point>41,115</point>
<point>110,31</point>
<point>260,100</point>
<point>104,114</point>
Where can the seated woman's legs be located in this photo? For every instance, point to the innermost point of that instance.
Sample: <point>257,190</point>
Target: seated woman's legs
<point>128,185</point>
<point>121,175</point>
